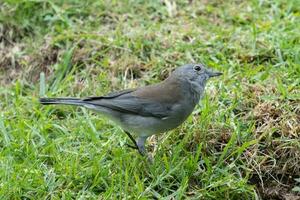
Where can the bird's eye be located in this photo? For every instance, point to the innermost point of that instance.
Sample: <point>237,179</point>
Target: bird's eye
<point>197,68</point>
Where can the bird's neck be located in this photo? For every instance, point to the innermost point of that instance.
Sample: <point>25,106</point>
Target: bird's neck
<point>196,91</point>
<point>190,90</point>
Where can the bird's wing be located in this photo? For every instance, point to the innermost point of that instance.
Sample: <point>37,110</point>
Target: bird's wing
<point>132,102</point>
<point>110,95</point>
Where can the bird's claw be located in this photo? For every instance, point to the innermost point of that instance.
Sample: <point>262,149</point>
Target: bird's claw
<point>131,146</point>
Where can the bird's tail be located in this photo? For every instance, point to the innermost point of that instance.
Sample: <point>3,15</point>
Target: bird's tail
<point>66,101</point>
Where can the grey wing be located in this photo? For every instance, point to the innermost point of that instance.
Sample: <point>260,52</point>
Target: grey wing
<point>110,95</point>
<point>126,103</point>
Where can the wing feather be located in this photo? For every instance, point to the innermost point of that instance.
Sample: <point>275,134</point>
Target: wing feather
<point>126,102</point>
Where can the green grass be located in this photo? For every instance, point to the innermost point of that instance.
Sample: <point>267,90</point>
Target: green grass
<point>241,142</point>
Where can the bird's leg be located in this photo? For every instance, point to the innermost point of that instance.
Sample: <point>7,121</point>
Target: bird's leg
<point>135,146</point>
<point>141,145</point>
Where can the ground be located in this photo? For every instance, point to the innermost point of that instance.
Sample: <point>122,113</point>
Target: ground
<point>241,142</point>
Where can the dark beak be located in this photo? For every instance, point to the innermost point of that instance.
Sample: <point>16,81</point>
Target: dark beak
<point>213,74</point>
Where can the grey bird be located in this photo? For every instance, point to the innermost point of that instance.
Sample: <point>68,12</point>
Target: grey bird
<point>151,109</point>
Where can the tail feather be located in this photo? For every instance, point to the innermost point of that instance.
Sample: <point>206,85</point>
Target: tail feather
<point>66,101</point>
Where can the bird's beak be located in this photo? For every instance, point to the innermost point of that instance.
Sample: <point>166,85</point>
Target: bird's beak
<point>214,73</point>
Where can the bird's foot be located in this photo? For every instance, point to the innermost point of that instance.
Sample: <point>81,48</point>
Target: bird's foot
<point>139,144</point>
<point>131,146</point>
<point>135,146</point>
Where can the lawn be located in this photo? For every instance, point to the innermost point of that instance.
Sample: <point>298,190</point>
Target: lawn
<point>241,142</point>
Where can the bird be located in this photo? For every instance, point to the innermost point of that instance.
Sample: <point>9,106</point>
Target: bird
<point>151,109</point>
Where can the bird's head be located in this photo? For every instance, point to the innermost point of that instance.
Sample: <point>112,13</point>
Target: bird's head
<point>196,73</point>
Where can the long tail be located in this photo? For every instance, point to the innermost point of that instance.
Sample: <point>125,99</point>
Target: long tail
<point>66,101</point>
